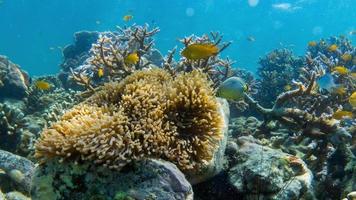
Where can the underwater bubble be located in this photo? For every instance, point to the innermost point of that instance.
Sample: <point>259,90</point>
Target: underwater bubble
<point>189,12</point>
<point>317,30</point>
<point>253,3</point>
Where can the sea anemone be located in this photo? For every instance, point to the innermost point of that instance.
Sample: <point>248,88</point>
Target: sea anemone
<point>148,114</point>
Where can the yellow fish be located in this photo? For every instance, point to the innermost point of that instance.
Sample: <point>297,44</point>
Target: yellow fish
<point>333,47</point>
<point>100,72</point>
<point>342,114</point>
<point>352,99</point>
<point>200,51</point>
<point>340,90</point>
<point>340,70</point>
<point>127,18</point>
<point>42,85</point>
<point>131,59</point>
<point>287,87</point>
<point>312,43</point>
<point>346,57</point>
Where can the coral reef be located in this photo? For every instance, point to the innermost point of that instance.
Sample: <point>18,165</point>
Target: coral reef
<point>146,179</point>
<point>118,106</point>
<point>150,114</point>
<point>14,82</point>
<point>276,72</point>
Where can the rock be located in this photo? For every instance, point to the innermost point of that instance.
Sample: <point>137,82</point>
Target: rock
<point>18,168</point>
<point>14,82</point>
<point>16,196</point>
<point>352,195</point>
<point>146,179</point>
<point>269,173</point>
<point>82,44</point>
<point>2,195</point>
<point>12,122</point>
<point>77,53</point>
<point>216,165</point>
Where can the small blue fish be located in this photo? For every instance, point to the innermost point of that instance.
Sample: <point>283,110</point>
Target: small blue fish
<point>327,82</point>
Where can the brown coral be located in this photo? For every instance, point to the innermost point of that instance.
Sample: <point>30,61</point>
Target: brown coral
<point>148,114</point>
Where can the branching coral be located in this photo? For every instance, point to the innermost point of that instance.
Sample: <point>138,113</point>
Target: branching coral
<point>324,130</point>
<point>321,59</point>
<point>109,55</point>
<point>333,51</point>
<point>312,126</point>
<point>148,114</point>
<point>278,69</point>
<point>217,69</point>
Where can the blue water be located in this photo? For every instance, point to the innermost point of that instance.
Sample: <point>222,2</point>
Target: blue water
<point>33,31</point>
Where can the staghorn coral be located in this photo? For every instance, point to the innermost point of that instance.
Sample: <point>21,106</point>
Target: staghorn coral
<point>148,114</point>
<point>321,60</point>
<point>294,118</point>
<point>218,69</point>
<point>321,52</point>
<point>323,138</point>
<point>109,52</point>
